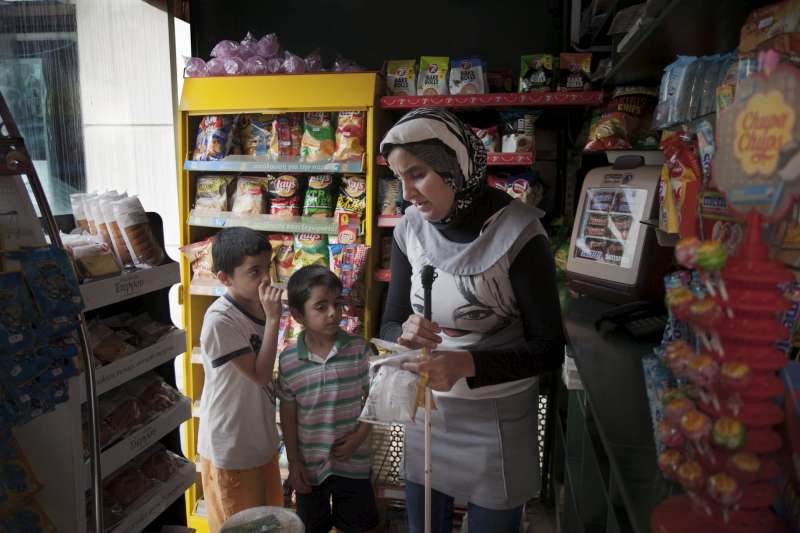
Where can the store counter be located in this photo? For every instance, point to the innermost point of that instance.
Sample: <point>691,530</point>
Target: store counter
<point>612,482</point>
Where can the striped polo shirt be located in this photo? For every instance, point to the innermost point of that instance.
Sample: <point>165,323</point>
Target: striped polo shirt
<point>329,393</point>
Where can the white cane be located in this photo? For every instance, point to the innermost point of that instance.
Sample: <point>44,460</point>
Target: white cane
<point>428,275</point>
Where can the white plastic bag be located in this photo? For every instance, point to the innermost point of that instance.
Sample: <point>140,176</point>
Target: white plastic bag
<point>392,391</point>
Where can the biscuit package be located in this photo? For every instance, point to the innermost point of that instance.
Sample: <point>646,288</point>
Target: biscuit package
<point>318,143</point>
<point>432,79</point>
<point>131,218</point>
<point>117,242</point>
<point>467,76</point>
<point>575,72</point>
<point>536,73</point>
<point>350,130</point>
<point>401,77</point>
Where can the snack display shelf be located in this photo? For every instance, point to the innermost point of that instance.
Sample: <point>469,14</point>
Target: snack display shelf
<point>495,159</point>
<point>543,99</point>
<point>207,288</point>
<point>107,291</point>
<point>384,275</point>
<point>389,221</point>
<point>157,501</point>
<point>125,369</point>
<point>272,223</point>
<point>246,163</point>
<point>120,453</point>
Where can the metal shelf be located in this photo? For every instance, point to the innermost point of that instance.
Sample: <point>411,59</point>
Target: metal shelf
<point>127,285</point>
<point>245,163</point>
<point>542,99</point>
<point>271,223</point>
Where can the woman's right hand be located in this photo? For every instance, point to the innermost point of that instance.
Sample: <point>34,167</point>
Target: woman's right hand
<point>420,333</point>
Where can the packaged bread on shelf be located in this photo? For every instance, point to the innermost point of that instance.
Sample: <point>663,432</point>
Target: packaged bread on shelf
<point>131,219</point>
<point>76,200</point>
<point>88,213</point>
<point>100,216</point>
<point>117,242</point>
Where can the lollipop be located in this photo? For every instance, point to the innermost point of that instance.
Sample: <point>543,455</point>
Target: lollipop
<point>696,426</point>
<point>669,435</point>
<point>706,314</point>
<point>669,461</point>
<point>702,370</point>
<point>744,466</point>
<point>686,252</point>
<point>736,375</point>
<point>729,433</point>
<point>679,300</point>
<point>678,357</point>
<point>711,257</point>
<point>691,476</point>
<point>675,409</point>
<point>725,490</point>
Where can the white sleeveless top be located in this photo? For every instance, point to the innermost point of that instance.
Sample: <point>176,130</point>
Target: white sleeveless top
<point>472,297</point>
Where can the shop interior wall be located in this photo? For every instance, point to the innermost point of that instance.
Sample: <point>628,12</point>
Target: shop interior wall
<point>372,31</point>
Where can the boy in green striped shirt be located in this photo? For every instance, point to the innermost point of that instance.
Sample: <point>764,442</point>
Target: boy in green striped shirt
<point>322,383</point>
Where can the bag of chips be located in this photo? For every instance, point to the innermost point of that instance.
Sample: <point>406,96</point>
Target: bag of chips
<point>536,73</point>
<point>319,200</point>
<point>620,124</point>
<point>489,137</point>
<point>249,198</point>
<point>401,77</point>
<point>199,256</point>
<point>575,73</point>
<point>348,261</point>
<point>519,131</point>
<point>353,198</point>
<point>285,195</point>
<point>282,257</point>
<point>350,130</point>
<point>214,137</point>
<point>679,180</point>
<point>317,143</point>
<point>310,249</point>
<point>467,76</point>
<point>255,134</point>
<point>432,78</point>
<point>212,193</point>
<point>287,133</point>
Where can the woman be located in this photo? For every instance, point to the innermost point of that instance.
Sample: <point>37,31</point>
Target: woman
<point>496,323</point>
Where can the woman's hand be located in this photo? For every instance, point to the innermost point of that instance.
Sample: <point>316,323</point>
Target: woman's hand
<point>270,298</point>
<point>444,369</point>
<point>419,333</point>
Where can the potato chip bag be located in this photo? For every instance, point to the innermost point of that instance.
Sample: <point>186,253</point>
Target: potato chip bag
<point>320,199</point>
<point>432,79</point>
<point>255,134</point>
<point>350,130</point>
<point>401,77</point>
<point>285,195</point>
<point>467,76</point>
<point>353,198</point>
<point>212,193</point>
<point>575,74</point>
<point>249,197</point>
<point>287,132</point>
<point>536,73</point>
<point>310,249</point>
<point>281,267</point>
<point>317,143</point>
<point>214,137</point>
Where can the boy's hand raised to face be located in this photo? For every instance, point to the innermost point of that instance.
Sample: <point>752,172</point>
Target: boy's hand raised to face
<point>270,298</point>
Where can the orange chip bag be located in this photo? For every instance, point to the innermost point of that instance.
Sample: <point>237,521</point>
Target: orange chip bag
<point>350,136</point>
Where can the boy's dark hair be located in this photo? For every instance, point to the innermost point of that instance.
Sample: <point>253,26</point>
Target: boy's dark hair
<point>232,245</point>
<point>305,279</point>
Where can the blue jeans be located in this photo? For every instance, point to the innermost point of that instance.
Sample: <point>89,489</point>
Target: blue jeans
<point>480,519</point>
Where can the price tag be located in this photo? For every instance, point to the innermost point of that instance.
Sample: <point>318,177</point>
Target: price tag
<point>348,228</point>
<point>218,222</point>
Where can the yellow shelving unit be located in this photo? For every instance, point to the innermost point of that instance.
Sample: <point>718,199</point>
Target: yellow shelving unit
<point>262,94</point>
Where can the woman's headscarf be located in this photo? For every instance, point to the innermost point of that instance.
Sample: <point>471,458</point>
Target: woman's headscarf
<point>449,147</point>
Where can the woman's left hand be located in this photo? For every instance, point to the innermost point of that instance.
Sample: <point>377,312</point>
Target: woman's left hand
<point>444,368</point>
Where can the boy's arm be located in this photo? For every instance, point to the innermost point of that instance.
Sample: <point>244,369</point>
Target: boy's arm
<point>297,471</point>
<point>260,367</point>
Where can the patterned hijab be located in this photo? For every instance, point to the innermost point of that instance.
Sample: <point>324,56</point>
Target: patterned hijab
<point>448,146</point>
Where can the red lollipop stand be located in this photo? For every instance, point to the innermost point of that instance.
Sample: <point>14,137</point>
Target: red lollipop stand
<point>747,334</point>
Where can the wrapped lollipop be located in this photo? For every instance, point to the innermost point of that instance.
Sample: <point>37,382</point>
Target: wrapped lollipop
<point>686,252</point>
<point>706,314</point>
<point>669,435</point>
<point>744,466</point>
<point>702,370</point>
<point>679,301</point>
<point>678,357</point>
<point>691,476</point>
<point>696,426</point>
<point>674,409</point>
<point>711,258</point>
<point>736,375</point>
<point>729,433</point>
<point>669,461</point>
<point>725,490</point>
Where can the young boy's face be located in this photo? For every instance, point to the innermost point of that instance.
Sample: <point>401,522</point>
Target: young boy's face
<point>322,311</point>
<point>247,277</point>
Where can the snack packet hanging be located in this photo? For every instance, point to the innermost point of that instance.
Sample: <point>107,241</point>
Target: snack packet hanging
<point>616,127</point>
<point>679,180</point>
<point>214,137</point>
<point>318,142</point>
<point>432,78</point>
<point>199,256</point>
<point>310,249</point>
<point>348,262</point>
<point>672,84</point>
<point>287,133</point>
<point>49,274</point>
<point>391,197</point>
<point>575,73</point>
<point>285,195</point>
<point>212,193</point>
<point>353,196</point>
<point>467,76</point>
<point>319,200</point>
<point>249,198</point>
<point>401,77</point>
<point>350,131</point>
<point>282,257</point>
<point>536,73</point>
<point>255,134</point>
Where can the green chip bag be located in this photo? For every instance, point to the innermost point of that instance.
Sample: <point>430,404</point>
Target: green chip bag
<point>319,200</point>
<point>310,249</point>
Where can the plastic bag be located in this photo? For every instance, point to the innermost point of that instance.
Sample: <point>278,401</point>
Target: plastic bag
<point>392,391</point>
<point>233,66</point>
<point>285,194</point>
<point>536,73</point>
<point>256,65</point>
<point>310,249</point>
<point>467,76</point>
<point>353,198</point>
<point>350,132</point>
<point>519,133</point>
<point>282,258</point>
<point>247,47</point>
<point>215,67</point>
<point>212,193</point>
<point>76,201</point>
<point>131,218</point>
<point>293,64</point>
<point>199,256</point>
<point>390,197</point>
<point>268,46</point>
<point>225,48</point>
<point>249,198</point>
<point>489,137</point>
<point>342,64</point>
<point>619,125</point>
<point>313,62</point>
<point>118,243</point>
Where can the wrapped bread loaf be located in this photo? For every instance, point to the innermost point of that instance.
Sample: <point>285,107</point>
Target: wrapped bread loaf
<point>131,220</point>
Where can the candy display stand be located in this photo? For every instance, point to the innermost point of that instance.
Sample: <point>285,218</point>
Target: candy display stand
<point>722,437</point>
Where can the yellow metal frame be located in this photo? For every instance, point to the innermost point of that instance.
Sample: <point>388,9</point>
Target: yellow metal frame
<point>264,94</point>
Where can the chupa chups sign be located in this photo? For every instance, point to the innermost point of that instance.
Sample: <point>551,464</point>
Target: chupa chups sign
<point>757,163</point>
